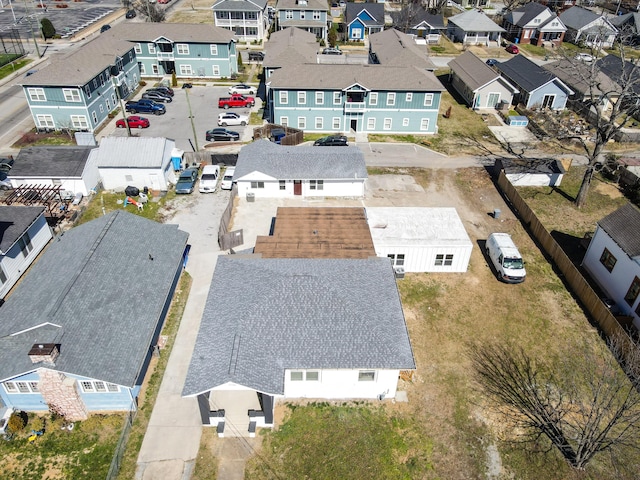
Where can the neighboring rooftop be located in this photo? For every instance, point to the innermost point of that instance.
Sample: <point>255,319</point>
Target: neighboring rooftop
<point>623,226</point>
<point>307,5</point>
<point>392,47</point>
<point>134,152</point>
<point>579,76</point>
<point>474,72</point>
<point>475,21</point>
<point>14,221</point>
<point>240,5</point>
<point>291,46</point>
<point>527,74</point>
<point>175,32</point>
<point>545,166</point>
<point>578,17</point>
<point>51,162</point>
<point>375,11</point>
<point>318,232</point>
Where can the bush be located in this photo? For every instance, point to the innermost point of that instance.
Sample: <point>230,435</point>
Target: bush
<point>142,83</point>
<point>174,80</point>
<point>48,30</point>
<point>37,424</point>
<point>17,421</point>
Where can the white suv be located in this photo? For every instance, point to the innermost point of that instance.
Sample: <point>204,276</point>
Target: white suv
<point>227,180</point>
<point>232,118</point>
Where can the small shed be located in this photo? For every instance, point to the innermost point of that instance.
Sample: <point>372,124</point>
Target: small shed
<point>517,121</point>
<point>420,239</point>
<point>531,172</point>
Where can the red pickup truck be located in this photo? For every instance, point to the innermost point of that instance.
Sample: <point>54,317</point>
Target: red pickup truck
<point>236,100</point>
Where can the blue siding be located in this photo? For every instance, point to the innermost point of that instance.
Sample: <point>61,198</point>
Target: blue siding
<point>24,401</point>
<point>536,98</point>
<point>355,25</point>
<point>197,59</point>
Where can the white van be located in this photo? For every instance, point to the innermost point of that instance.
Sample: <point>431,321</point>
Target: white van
<point>505,258</point>
<point>209,179</point>
<point>227,180</point>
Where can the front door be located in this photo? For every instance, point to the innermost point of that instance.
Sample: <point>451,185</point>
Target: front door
<point>493,100</point>
<point>297,187</point>
<point>547,101</point>
<point>354,125</point>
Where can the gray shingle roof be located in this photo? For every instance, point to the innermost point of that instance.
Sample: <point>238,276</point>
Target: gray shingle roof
<point>134,152</point>
<point>51,162</point>
<point>96,292</point>
<point>375,10</point>
<point>623,226</point>
<point>579,76</point>
<point>176,32</point>
<point>341,76</point>
<point>392,47</point>
<point>297,313</point>
<point>293,5</point>
<point>475,21</point>
<point>290,46</point>
<point>240,5</point>
<point>526,13</point>
<point>577,17</point>
<point>624,74</point>
<point>300,163</point>
<point>473,72</point>
<point>629,22</point>
<point>14,221</point>
<point>526,74</point>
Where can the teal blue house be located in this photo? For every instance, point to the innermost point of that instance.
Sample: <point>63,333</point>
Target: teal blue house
<point>310,15</point>
<point>363,19</point>
<point>355,98</point>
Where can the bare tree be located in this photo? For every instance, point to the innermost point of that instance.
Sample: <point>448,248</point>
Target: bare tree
<point>583,407</point>
<point>151,11</point>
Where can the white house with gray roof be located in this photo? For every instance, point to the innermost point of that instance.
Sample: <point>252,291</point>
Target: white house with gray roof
<point>474,27</point>
<point>24,233</point>
<point>266,169</point>
<point>613,259</point>
<point>78,331</point>
<point>588,28</point>
<point>296,328</point>
<point>136,161</point>
<point>247,19</point>
<point>310,15</point>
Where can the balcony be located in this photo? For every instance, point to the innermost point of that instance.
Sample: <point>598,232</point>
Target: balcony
<point>354,107</point>
<point>165,56</point>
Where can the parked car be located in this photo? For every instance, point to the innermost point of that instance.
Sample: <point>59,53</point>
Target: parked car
<point>585,57</point>
<point>187,181</point>
<point>231,118</point>
<point>227,179</point>
<point>331,141</point>
<point>236,100</point>
<point>513,49</point>
<point>332,51</point>
<point>130,14</point>
<point>242,89</point>
<point>157,96</point>
<point>506,258</point>
<point>209,179</point>
<point>134,121</point>
<point>491,62</point>
<point>104,28</point>
<point>222,135</point>
<point>168,91</point>
<point>145,106</point>
<point>256,56</point>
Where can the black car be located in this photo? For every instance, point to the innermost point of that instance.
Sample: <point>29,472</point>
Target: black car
<point>256,56</point>
<point>167,91</point>
<point>104,28</point>
<point>130,14</point>
<point>222,135</point>
<point>331,141</point>
<point>157,96</point>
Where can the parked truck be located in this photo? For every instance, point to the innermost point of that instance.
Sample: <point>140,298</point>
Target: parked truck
<point>145,106</point>
<point>506,258</point>
<point>236,100</point>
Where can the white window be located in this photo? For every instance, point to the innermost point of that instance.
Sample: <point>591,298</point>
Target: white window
<point>302,122</point>
<point>302,15</point>
<point>284,121</point>
<point>316,14</point>
<point>45,121</point>
<point>216,70</point>
<point>284,97</point>
<point>98,386</point>
<point>316,184</point>
<point>288,15</point>
<point>319,98</point>
<point>142,69</point>
<point>335,123</point>
<point>409,97</point>
<point>37,94</point>
<point>182,49</point>
<point>405,122</point>
<point>297,376</point>
<point>373,98</point>
<point>94,116</point>
<point>95,83</point>
<point>366,376</point>
<point>387,124</point>
<point>371,124</point>
<point>313,376</point>
<point>151,47</point>
<point>391,98</point>
<point>108,104</point>
<point>309,376</point>
<point>319,123</point>
<point>79,122</point>
<point>10,387</point>
<point>137,48</point>
<point>397,259</point>
<point>424,124</point>
<point>186,70</point>
<point>87,91</point>
<point>34,387</point>
<point>154,69</point>
<point>112,387</point>
<point>428,99</point>
<point>356,33</point>
<point>21,387</point>
<point>3,276</point>
<point>337,98</point>
<point>214,50</point>
<point>257,184</point>
<point>442,259</point>
<point>25,244</point>
<point>282,184</point>
<point>101,80</point>
<point>302,97</point>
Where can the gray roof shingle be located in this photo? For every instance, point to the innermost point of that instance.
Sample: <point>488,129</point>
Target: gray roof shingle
<point>297,313</point>
<point>623,226</point>
<point>51,162</point>
<point>294,5</point>
<point>14,221</point>
<point>392,47</point>
<point>300,162</point>
<point>475,21</point>
<point>526,74</point>
<point>375,10</point>
<point>240,5</point>
<point>290,46</point>
<point>474,72</point>
<point>175,32</point>
<point>99,291</point>
<point>134,152</point>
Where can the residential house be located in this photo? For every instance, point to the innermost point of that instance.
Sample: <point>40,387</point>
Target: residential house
<point>585,27</point>
<point>558,6</point>
<point>473,27</point>
<point>628,26</point>
<point>420,239</point>
<point>416,21</point>
<point>480,86</point>
<point>263,352</point>
<point>80,89</point>
<point>266,169</point>
<point>136,161</point>
<point>310,15</point>
<point>342,98</point>
<point>78,332</point>
<point>613,259</point>
<point>624,73</point>
<point>531,172</point>
<point>289,47</point>
<point>535,24</point>
<point>24,233</point>
<point>247,19</point>
<point>394,48</point>
<point>363,19</point>
<point>537,87</point>
<point>73,169</point>
<point>189,50</point>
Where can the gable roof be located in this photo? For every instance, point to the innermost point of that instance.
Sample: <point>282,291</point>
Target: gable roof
<point>375,10</point>
<point>297,313</point>
<point>528,75</point>
<point>579,76</point>
<point>577,17</point>
<point>99,291</point>
<point>294,5</point>
<point>475,21</point>
<point>626,74</point>
<point>623,226</point>
<point>475,73</point>
<point>300,162</point>
<point>14,222</point>
<point>526,13</point>
<point>414,15</point>
<point>134,152</point>
<point>176,32</point>
<point>629,22</point>
<point>51,162</point>
<point>290,46</point>
<point>392,47</point>
<point>240,5</point>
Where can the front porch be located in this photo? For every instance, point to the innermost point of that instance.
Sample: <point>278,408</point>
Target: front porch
<point>236,413</point>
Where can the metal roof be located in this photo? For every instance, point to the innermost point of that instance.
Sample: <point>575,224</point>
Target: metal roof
<point>51,162</point>
<point>134,152</point>
<point>623,226</point>
<point>14,222</point>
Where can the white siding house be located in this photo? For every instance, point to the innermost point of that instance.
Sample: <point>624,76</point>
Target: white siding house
<point>420,239</point>
<point>613,259</point>
<point>24,232</point>
<point>136,161</point>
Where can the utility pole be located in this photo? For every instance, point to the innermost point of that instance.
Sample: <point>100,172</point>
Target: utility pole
<point>114,81</point>
<point>193,127</point>
<point>35,42</point>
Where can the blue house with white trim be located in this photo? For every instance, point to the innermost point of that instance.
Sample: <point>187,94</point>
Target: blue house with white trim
<point>363,19</point>
<point>78,332</point>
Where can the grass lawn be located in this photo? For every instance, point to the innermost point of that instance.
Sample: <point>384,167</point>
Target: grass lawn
<point>32,139</point>
<point>12,67</point>
<point>444,47</point>
<point>105,202</point>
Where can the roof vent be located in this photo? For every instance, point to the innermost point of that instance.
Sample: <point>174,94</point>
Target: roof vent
<point>44,352</point>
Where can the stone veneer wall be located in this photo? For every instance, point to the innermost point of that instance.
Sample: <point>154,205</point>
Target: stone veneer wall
<point>61,392</point>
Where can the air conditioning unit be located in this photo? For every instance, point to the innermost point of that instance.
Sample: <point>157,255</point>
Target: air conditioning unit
<point>399,271</point>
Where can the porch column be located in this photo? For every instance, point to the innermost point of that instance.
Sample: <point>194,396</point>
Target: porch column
<point>203,406</point>
<point>267,403</point>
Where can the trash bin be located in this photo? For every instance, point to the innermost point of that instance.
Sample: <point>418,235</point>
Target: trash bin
<point>251,197</point>
<point>496,213</point>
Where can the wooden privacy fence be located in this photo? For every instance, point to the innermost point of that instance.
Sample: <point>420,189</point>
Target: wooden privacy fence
<point>293,136</point>
<point>576,281</point>
<point>226,239</point>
